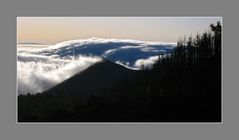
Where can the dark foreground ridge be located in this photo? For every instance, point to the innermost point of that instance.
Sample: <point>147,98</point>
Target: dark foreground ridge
<point>182,87</point>
<point>95,80</point>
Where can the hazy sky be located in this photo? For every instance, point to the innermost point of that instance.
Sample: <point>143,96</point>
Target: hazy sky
<point>51,30</point>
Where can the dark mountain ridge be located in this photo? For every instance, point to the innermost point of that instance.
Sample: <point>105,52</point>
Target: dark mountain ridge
<point>95,79</point>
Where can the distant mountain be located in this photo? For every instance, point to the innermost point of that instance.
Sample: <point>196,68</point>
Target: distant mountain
<point>95,79</point>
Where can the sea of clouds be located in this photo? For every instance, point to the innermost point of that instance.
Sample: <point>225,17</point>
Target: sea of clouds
<point>40,68</point>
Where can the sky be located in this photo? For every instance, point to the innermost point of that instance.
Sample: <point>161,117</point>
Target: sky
<point>52,30</point>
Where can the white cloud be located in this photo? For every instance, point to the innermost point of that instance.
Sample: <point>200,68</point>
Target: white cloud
<point>110,51</point>
<point>130,47</point>
<point>146,63</point>
<point>38,73</point>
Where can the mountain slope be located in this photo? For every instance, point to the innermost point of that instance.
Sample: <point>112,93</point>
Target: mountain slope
<point>101,76</point>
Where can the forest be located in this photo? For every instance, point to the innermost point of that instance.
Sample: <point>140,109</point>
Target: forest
<point>183,86</point>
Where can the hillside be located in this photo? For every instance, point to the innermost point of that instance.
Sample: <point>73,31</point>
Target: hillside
<point>95,79</point>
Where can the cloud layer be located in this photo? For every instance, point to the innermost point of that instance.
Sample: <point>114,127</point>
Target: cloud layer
<point>40,68</point>
<point>38,73</point>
